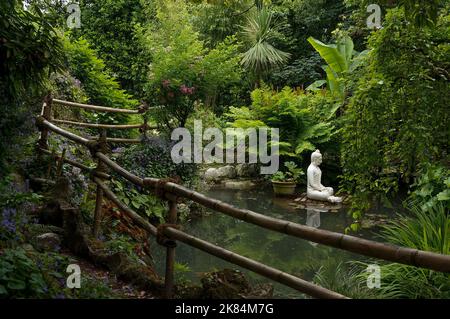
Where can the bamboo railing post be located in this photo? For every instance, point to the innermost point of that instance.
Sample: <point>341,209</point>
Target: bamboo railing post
<point>143,108</point>
<point>46,114</point>
<point>60,163</point>
<point>170,254</point>
<point>102,147</point>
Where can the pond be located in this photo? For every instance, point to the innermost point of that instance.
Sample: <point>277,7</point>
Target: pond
<point>293,255</point>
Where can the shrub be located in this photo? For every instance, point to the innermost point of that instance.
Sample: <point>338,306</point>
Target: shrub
<point>432,187</point>
<point>100,87</point>
<point>20,276</point>
<point>304,120</point>
<point>397,119</point>
<point>183,71</point>
<point>151,159</point>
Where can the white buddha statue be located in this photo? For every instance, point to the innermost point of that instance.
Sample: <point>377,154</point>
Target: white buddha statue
<point>315,190</point>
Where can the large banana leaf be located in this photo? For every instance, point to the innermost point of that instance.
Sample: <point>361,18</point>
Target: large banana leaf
<point>334,84</point>
<point>335,58</point>
<point>345,47</point>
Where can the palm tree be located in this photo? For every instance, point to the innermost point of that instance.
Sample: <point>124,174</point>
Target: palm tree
<point>261,56</point>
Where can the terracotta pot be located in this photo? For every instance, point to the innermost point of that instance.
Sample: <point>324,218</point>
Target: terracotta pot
<point>284,188</point>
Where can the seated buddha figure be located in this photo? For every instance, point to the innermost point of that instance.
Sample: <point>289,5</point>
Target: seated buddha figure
<point>315,190</point>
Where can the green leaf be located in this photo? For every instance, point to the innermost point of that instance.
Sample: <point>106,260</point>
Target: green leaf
<point>331,55</point>
<point>444,195</point>
<point>16,284</point>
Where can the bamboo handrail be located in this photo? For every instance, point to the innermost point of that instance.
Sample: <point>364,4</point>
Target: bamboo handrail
<point>120,170</point>
<point>94,125</point>
<point>407,256</point>
<point>106,126</point>
<point>264,270</point>
<point>76,164</point>
<point>259,268</point>
<point>118,140</point>
<point>71,136</point>
<point>130,213</point>
<point>96,107</point>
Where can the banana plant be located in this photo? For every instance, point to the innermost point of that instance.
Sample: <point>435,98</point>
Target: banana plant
<point>340,58</point>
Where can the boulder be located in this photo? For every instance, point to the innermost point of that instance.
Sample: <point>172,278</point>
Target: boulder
<point>238,184</point>
<point>232,284</point>
<point>211,175</point>
<point>48,242</point>
<point>227,172</point>
<point>246,170</point>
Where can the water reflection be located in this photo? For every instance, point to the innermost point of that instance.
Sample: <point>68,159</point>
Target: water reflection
<point>293,255</point>
<point>313,219</point>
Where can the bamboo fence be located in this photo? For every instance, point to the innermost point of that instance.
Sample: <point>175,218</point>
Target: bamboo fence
<point>171,192</point>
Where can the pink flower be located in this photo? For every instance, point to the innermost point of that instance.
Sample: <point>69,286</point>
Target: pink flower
<point>187,90</point>
<point>166,83</point>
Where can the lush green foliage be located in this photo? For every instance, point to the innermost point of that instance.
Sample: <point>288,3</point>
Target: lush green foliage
<point>427,230</point>
<point>292,174</point>
<point>29,50</point>
<point>259,32</point>
<point>432,187</point>
<point>304,120</point>
<point>20,276</point>
<point>111,26</point>
<point>100,87</point>
<point>397,118</point>
<point>151,159</point>
<point>341,59</point>
<point>183,71</point>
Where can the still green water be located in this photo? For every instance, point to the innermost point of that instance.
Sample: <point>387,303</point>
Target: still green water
<point>293,255</point>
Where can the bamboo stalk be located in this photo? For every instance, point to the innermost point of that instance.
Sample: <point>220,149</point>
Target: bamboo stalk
<point>96,107</point>
<point>94,125</point>
<point>76,164</point>
<point>46,114</point>
<point>170,254</point>
<point>119,140</point>
<point>71,136</point>
<point>130,213</point>
<point>120,170</point>
<point>259,268</point>
<point>60,163</point>
<point>99,198</point>
<point>407,256</point>
<point>97,212</point>
<point>42,180</point>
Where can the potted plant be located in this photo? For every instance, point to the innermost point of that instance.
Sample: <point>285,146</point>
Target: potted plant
<point>284,183</point>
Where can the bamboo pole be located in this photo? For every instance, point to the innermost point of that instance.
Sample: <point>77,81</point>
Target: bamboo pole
<point>170,254</point>
<point>100,126</point>
<point>119,140</point>
<point>76,164</point>
<point>60,163</point>
<point>124,208</point>
<point>71,136</point>
<point>46,114</point>
<point>266,271</point>
<point>120,170</point>
<point>407,256</point>
<point>99,196</point>
<point>259,268</point>
<point>96,107</point>
<point>97,212</point>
